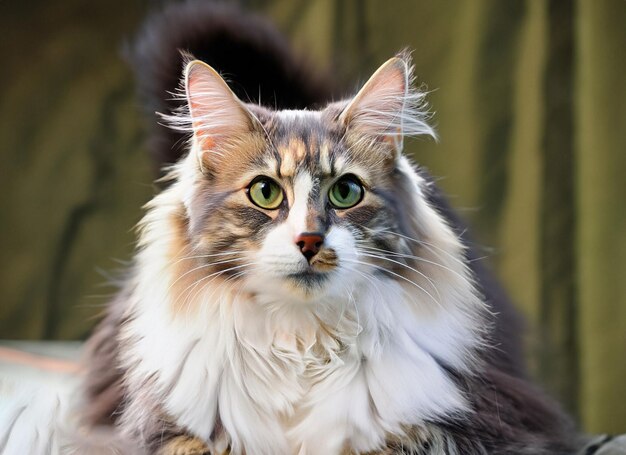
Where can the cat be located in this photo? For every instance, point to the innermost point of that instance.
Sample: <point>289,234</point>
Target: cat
<point>300,286</point>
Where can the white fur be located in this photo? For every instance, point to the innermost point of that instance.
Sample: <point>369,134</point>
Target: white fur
<point>29,418</point>
<point>38,419</point>
<point>294,373</point>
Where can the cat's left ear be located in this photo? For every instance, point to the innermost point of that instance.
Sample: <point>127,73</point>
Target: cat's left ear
<point>388,108</point>
<point>218,118</point>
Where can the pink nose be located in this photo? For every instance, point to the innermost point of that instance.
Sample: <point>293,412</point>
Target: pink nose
<point>310,243</point>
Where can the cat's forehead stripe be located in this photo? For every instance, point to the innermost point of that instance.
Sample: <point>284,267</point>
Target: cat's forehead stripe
<point>325,158</point>
<point>303,140</point>
<point>292,153</point>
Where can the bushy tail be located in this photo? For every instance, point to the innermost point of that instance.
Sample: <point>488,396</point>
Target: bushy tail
<point>248,50</point>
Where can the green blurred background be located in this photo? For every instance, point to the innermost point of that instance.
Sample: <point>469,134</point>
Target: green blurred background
<point>530,101</point>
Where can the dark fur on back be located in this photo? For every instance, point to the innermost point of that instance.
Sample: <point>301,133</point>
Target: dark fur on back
<point>510,417</point>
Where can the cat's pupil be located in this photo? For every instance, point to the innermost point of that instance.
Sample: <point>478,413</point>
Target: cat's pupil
<point>266,189</point>
<point>344,189</point>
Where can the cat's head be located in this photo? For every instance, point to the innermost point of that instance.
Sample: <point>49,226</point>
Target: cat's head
<point>304,204</point>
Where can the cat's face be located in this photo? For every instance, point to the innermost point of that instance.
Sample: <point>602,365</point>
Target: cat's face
<point>295,203</point>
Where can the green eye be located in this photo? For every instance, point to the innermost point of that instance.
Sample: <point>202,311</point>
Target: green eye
<point>265,193</point>
<point>346,193</point>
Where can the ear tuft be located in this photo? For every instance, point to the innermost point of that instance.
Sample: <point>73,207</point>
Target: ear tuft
<point>388,106</point>
<point>213,112</point>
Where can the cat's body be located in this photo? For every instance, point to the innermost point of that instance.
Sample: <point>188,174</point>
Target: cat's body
<point>299,287</point>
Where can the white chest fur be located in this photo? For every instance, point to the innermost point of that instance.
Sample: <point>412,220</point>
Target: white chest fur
<point>297,379</point>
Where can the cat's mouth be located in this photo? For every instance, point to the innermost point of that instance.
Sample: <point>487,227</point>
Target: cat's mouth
<point>318,271</point>
<point>309,278</point>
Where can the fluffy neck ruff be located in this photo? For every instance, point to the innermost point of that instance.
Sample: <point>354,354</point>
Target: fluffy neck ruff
<point>272,377</point>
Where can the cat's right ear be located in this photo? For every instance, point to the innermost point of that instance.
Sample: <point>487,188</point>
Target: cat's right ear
<point>389,108</point>
<point>218,117</point>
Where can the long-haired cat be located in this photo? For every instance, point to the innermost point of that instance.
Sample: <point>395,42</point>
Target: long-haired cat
<point>297,290</point>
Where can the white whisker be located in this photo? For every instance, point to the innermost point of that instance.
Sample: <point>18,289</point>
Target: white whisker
<point>430,281</point>
<point>420,242</point>
<point>203,266</point>
<point>397,275</point>
<point>416,258</point>
<point>187,291</point>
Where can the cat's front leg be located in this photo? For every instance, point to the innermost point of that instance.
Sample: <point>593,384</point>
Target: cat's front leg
<point>184,445</point>
<point>156,432</point>
<point>174,440</point>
